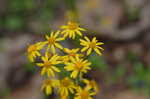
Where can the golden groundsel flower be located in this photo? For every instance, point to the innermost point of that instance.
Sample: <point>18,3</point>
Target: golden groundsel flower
<point>71,30</point>
<point>66,86</point>
<point>84,93</point>
<point>63,69</point>
<point>91,84</point>
<point>71,53</point>
<point>33,51</point>
<point>77,66</point>
<point>91,45</point>
<point>52,41</point>
<point>48,65</point>
<point>48,85</point>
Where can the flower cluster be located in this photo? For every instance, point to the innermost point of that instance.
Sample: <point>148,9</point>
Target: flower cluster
<point>64,68</point>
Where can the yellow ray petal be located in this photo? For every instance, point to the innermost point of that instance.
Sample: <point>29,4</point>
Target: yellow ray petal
<point>89,51</point>
<point>97,51</point>
<point>58,46</point>
<point>53,49</point>
<point>84,49</point>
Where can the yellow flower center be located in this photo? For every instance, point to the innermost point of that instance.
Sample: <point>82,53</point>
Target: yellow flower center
<point>78,65</point>
<point>47,64</point>
<point>84,94</point>
<point>92,44</point>
<point>48,82</point>
<point>72,25</point>
<point>51,40</point>
<point>32,48</point>
<point>65,82</point>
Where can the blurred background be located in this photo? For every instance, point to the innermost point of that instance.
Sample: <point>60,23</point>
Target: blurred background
<point>122,72</point>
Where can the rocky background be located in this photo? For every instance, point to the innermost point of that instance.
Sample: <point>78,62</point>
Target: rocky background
<point>123,72</point>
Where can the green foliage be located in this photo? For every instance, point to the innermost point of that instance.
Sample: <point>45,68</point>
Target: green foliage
<point>29,67</point>
<point>63,72</point>
<point>21,5</point>
<point>71,4</point>
<point>14,22</point>
<point>98,62</point>
<point>120,71</point>
<point>132,57</point>
<point>1,22</point>
<point>133,14</point>
<point>5,92</point>
<point>140,79</point>
<point>47,11</point>
<point>77,41</point>
<point>117,75</point>
<point>19,13</point>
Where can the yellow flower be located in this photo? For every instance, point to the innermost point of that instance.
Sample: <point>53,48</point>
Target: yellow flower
<point>71,52</point>
<point>63,97</point>
<point>48,85</point>
<point>72,61</point>
<point>91,84</point>
<point>53,40</point>
<point>66,86</point>
<point>91,45</point>
<point>71,29</point>
<point>85,93</point>
<point>77,66</point>
<point>48,65</point>
<point>33,51</point>
<point>65,59</point>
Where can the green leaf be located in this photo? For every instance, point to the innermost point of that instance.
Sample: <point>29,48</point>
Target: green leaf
<point>30,67</point>
<point>98,62</point>
<point>14,22</point>
<point>120,71</point>
<point>139,69</point>
<point>5,92</point>
<point>132,57</point>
